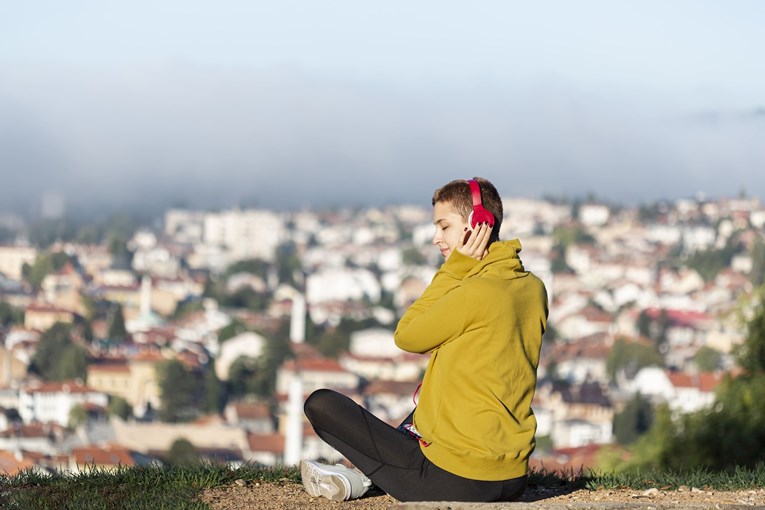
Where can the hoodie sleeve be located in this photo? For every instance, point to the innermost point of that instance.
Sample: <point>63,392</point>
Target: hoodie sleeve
<point>431,320</point>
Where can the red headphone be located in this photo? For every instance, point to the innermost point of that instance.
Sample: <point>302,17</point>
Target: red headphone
<point>480,214</point>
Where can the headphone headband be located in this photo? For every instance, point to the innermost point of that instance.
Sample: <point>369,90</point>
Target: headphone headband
<point>475,190</point>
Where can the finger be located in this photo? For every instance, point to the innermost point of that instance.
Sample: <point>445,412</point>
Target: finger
<point>485,235</point>
<point>478,240</point>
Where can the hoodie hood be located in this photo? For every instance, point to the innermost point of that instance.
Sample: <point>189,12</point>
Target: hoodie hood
<point>502,262</point>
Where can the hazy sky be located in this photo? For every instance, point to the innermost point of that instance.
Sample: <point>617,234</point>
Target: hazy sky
<point>295,103</point>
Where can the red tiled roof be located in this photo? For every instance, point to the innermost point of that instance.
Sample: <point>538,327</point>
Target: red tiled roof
<point>10,465</point>
<point>593,347</point>
<point>272,443</point>
<point>45,308</point>
<point>705,381</point>
<point>315,365</point>
<point>679,317</point>
<point>252,410</point>
<point>31,430</point>
<point>109,456</point>
<point>60,387</point>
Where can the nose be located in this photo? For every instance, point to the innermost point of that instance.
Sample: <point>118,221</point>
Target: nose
<point>436,237</point>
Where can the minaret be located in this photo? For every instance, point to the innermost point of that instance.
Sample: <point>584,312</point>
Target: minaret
<point>297,319</point>
<point>7,366</point>
<point>293,441</point>
<point>145,305</point>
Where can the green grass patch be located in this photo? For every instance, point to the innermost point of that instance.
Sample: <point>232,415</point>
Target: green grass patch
<point>159,488</point>
<point>736,479</point>
<point>152,487</point>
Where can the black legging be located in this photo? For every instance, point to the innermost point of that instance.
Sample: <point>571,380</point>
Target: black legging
<point>392,459</point>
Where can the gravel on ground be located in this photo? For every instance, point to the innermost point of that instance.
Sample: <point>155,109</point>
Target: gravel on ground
<point>286,495</point>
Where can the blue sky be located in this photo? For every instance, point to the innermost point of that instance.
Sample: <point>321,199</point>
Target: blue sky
<point>294,103</point>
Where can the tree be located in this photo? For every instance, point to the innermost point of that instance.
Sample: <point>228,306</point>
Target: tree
<point>49,349</point>
<point>631,357</point>
<point>660,329</point>
<point>57,358</point>
<point>117,330</point>
<point>232,329</point>
<point>751,354</point>
<point>655,329</point>
<point>757,273</point>
<point>258,267</point>
<point>77,416</point>
<point>119,407</point>
<point>178,392</point>
<point>707,359</point>
<point>214,391</point>
<point>643,324</point>
<point>635,420</point>
<point>245,297</point>
<point>332,341</point>
<point>566,235</point>
<point>709,263</point>
<point>10,315</point>
<point>187,306</point>
<point>242,376</point>
<point>411,256</point>
<point>44,264</point>
<point>257,376</point>
<point>729,434</point>
<point>182,453</point>
<point>73,364</point>
<point>35,274</point>
<point>558,259</point>
<point>289,267</point>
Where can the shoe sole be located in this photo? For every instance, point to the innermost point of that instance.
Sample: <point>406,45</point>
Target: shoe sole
<point>318,482</point>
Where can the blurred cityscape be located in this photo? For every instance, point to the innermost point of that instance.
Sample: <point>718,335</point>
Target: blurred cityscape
<point>125,344</point>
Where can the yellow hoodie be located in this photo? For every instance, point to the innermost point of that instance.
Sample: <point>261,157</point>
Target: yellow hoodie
<point>482,322</point>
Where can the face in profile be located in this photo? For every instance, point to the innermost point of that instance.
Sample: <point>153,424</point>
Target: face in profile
<point>450,228</point>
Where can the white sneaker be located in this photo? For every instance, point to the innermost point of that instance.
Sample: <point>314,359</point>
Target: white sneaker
<point>337,482</point>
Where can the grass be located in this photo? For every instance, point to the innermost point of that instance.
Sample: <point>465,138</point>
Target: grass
<point>159,488</point>
<point>737,479</point>
<point>152,487</point>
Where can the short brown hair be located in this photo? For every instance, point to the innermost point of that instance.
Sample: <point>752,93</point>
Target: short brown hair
<point>457,194</point>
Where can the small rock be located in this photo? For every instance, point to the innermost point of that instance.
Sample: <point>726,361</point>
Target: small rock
<point>697,490</point>
<point>682,488</point>
<point>240,482</point>
<point>651,492</point>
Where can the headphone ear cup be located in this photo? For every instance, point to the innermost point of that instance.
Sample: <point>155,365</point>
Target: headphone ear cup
<point>480,214</point>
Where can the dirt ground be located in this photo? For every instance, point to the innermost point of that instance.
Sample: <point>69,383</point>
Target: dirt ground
<point>290,496</point>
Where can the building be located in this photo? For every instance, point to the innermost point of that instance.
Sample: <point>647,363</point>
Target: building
<point>41,317</point>
<point>53,402</point>
<point>133,379</point>
<point>13,258</point>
